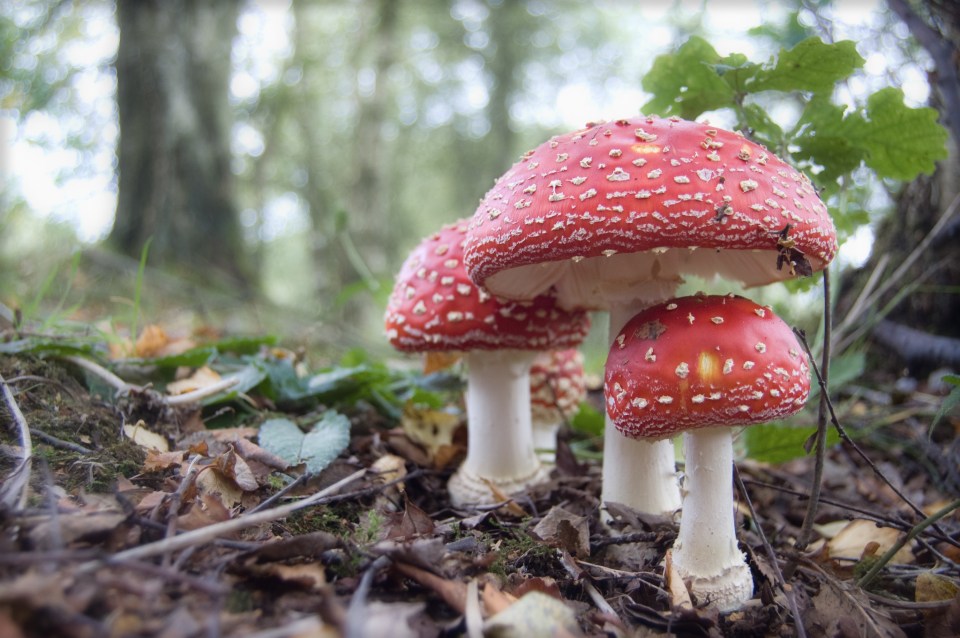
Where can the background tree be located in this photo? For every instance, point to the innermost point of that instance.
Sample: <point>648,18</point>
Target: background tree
<point>176,187</point>
<point>920,303</point>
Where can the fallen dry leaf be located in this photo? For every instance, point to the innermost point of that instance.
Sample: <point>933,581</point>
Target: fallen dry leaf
<point>162,460</point>
<point>201,378</point>
<point>146,439</point>
<point>565,530</point>
<point>679,594</point>
<point>851,541</point>
<point>536,614</point>
<point>430,428</point>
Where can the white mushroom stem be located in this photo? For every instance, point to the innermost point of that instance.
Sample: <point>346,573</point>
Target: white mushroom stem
<point>705,552</point>
<point>500,446</point>
<point>638,473</point>
<point>545,438</point>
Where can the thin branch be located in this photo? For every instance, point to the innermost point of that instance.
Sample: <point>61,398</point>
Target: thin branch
<point>871,574</point>
<point>806,529</point>
<point>60,443</point>
<point>206,534</point>
<point>846,437</point>
<point>772,557</point>
<point>105,375</point>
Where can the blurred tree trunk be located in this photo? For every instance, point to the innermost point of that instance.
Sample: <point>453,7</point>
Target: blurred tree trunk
<point>933,307</point>
<point>175,181</point>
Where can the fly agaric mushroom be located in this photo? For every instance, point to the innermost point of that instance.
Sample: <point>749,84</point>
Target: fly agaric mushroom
<point>614,215</point>
<point>435,307</point>
<point>700,365</point>
<point>557,386</point>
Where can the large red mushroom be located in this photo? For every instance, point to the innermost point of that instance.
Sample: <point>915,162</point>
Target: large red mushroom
<point>613,216</point>
<point>435,307</point>
<point>702,365</point>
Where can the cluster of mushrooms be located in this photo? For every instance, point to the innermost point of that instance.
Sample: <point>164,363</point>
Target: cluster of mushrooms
<point>612,217</point>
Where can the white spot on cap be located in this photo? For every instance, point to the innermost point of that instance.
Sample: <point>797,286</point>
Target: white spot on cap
<point>717,320</point>
<point>454,316</point>
<point>748,185</point>
<point>643,135</point>
<point>618,175</point>
<point>681,179</point>
<point>640,161</point>
<point>562,157</point>
<point>671,306</point>
<point>615,152</point>
<point>420,308</point>
<point>690,318</point>
<point>654,174</point>
<point>621,338</point>
<point>761,347</point>
<point>464,289</point>
<point>697,398</point>
<point>649,356</point>
<point>640,403</point>
<point>591,192</point>
<point>748,365</point>
<point>760,312</point>
<point>585,162</point>
<point>665,399</point>
<point>743,408</point>
<point>576,181</point>
<point>728,366</point>
<point>530,190</point>
<point>683,370</point>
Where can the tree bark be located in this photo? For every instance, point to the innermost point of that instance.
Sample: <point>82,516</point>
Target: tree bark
<point>933,307</point>
<point>176,188</point>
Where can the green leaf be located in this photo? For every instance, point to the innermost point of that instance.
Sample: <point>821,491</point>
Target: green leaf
<point>778,443</point>
<point>949,403</point>
<point>686,82</point>
<point>316,449</point>
<point>900,141</point>
<point>588,420</point>
<point>826,137</point>
<point>812,65</point>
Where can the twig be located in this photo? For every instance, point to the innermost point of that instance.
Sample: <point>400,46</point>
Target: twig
<point>201,393</point>
<point>806,529</point>
<point>871,574</point>
<point>211,532</point>
<point>801,632</point>
<point>105,375</point>
<point>15,489</point>
<point>846,437</point>
<point>60,443</point>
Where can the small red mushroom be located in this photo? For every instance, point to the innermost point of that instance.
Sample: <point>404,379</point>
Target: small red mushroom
<point>435,307</point>
<point>557,386</point>
<point>701,365</point>
<point>614,215</point>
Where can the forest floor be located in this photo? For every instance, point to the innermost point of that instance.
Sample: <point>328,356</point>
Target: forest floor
<point>145,515</point>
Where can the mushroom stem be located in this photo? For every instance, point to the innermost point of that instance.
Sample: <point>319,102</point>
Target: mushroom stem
<point>639,473</point>
<point>705,552</point>
<point>499,431</point>
<point>545,439</point>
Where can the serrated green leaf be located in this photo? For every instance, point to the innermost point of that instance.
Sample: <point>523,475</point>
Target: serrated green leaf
<point>42,345</point>
<point>826,137</point>
<point>779,443</point>
<point>900,141</point>
<point>686,82</point>
<point>812,65</point>
<point>316,449</point>
<point>247,378</point>
<point>736,70</point>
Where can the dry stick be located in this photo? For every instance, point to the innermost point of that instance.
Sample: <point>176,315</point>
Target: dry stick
<point>806,529</point>
<point>846,437</point>
<point>60,443</point>
<point>19,479</point>
<point>871,574</point>
<point>177,399</point>
<point>772,557</point>
<point>105,375</point>
<point>211,532</point>
<point>872,516</point>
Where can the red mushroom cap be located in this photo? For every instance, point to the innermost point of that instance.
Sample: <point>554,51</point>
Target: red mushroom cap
<point>703,361</point>
<point>557,384</point>
<point>435,306</point>
<point>648,184</point>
